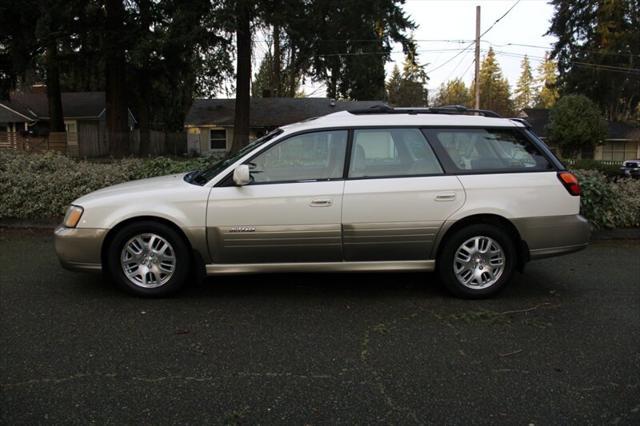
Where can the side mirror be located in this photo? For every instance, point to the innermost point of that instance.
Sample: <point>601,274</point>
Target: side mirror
<point>242,175</point>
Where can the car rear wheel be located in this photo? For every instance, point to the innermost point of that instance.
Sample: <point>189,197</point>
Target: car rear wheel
<point>149,259</point>
<point>477,261</point>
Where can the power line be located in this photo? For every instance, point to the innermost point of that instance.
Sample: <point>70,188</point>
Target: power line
<point>450,59</point>
<point>385,53</point>
<point>600,67</point>
<point>468,68</point>
<point>549,48</point>
<point>461,41</point>
<point>458,65</point>
<point>500,18</point>
<point>472,42</point>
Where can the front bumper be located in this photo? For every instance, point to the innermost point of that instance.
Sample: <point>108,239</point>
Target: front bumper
<point>554,235</point>
<point>79,249</point>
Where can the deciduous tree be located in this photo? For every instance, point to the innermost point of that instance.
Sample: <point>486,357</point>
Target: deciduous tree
<point>575,124</point>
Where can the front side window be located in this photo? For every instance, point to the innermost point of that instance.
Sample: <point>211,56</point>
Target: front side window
<point>306,157</point>
<point>217,139</point>
<point>488,150</point>
<point>391,152</point>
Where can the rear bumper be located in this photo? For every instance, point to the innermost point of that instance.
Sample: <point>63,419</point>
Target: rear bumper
<point>554,235</point>
<point>79,249</point>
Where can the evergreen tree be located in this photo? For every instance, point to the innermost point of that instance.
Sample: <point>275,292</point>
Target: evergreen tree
<point>495,94</point>
<point>597,51</point>
<point>454,92</point>
<point>394,86</point>
<point>273,80</point>
<point>525,90</point>
<point>409,88</point>
<point>547,81</point>
<point>263,79</point>
<point>347,44</point>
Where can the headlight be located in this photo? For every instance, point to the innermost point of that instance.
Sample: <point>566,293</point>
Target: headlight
<point>72,217</point>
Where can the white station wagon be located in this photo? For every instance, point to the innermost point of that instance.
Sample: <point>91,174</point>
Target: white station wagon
<point>473,197</point>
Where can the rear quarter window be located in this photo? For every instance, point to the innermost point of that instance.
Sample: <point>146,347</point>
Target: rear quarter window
<point>486,150</point>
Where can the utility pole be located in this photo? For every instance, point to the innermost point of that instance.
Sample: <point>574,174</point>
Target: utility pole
<point>477,74</point>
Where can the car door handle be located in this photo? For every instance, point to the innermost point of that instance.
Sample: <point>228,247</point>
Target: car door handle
<point>447,196</point>
<point>321,203</point>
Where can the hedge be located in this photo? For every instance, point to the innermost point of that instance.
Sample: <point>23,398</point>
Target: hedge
<point>609,203</point>
<point>611,170</point>
<point>41,186</point>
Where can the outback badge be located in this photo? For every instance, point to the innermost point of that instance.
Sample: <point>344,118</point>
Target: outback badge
<point>239,228</point>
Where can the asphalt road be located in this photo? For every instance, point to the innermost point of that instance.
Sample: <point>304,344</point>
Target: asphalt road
<point>560,345</point>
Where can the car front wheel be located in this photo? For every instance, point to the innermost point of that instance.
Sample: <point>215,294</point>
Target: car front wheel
<point>149,259</point>
<point>477,261</point>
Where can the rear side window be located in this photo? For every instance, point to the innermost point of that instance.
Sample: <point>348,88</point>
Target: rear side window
<point>487,150</point>
<point>391,153</point>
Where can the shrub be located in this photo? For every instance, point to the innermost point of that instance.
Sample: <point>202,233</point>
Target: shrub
<point>609,204</point>
<point>36,186</point>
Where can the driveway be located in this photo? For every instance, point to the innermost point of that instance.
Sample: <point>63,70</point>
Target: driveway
<point>560,345</point>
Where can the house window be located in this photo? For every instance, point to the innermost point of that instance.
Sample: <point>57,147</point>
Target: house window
<point>70,126</point>
<point>217,139</point>
<point>619,150</point>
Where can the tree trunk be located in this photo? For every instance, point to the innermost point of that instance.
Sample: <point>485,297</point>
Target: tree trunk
<point>243,76</point>
<point>54,96</point>
<point>144,84</point>
<point>332,88</point>
<point>144,92</point>
<point>275,90</point>
<point>116,80</point>
<point>292,76</point>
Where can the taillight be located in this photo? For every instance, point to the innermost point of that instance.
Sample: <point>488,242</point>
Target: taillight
<point>570,182</point>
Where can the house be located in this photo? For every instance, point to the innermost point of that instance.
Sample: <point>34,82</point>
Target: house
<point>24,123</point>
<point>622,142</point>
<point>209,122</point>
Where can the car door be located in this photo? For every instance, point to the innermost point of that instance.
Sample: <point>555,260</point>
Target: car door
<point>396,197</point>
<point>290,212</point>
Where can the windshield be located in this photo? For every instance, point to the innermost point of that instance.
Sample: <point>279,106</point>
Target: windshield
<point>200,177</point>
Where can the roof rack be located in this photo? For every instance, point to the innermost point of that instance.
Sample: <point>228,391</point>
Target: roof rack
<point>447,109</point>
<point>523,121</point>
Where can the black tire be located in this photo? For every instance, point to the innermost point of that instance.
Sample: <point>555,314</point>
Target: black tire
<point>181,253</point>
<point>446,259</point>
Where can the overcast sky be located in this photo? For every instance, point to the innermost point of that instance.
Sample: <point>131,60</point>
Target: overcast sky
<point>526,24</point>
<point>454,21</point>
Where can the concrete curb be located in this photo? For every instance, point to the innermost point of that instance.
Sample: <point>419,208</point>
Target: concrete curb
<point>598,235</point>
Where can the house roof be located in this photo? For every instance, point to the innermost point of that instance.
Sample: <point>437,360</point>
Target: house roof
<point>539,118</point>
<point>12,111</point>
<point>267,112</point>
<point>623,131</point>
<point>74,104</point>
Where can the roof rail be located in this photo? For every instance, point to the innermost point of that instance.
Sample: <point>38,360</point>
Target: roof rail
<point>447,109</point>
<point>523,121</point>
